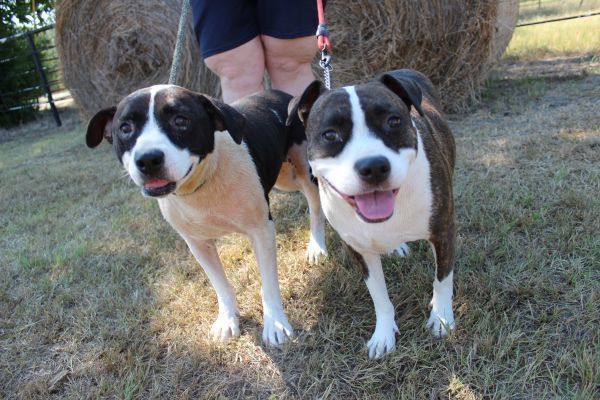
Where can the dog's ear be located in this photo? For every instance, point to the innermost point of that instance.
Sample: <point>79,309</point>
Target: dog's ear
<point>225,118</point>
<point>100,126</point>
<point>406,89</point>
<point>301,105</point>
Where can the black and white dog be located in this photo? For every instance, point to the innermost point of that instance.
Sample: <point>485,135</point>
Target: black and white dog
<point>384,159</point>
<point>211,167</point>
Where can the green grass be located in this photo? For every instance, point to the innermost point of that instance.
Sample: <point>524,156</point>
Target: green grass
<point>101,299</point>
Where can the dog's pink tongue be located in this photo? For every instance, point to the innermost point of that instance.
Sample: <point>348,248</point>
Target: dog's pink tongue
<point>156,183</point>
<point>376,205</point>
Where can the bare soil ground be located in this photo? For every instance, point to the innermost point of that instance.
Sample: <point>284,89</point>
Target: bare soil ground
<point>101,299</point>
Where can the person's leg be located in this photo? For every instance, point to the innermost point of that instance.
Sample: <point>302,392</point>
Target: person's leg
<point>227,32</point>
<point>288,62</point>
<point>240,69</point>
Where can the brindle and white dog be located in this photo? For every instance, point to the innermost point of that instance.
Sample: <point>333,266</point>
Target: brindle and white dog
<point>384,158</point>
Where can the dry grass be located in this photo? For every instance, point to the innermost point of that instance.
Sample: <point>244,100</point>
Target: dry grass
<point>101,299</point>
<point>534,10</point>
<point>569,37</point>
<point>561,38</point>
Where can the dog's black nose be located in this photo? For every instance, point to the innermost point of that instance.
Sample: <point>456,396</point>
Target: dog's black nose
<point>150,161</point>
<point>373,170</point>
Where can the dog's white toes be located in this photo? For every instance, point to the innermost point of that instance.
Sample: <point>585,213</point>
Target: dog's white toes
<point>225,327</point>
<point>401,250</point>
<point>315,251</point>
<point>441,323</point>
<point>383,340</point>
<point>277,331</point>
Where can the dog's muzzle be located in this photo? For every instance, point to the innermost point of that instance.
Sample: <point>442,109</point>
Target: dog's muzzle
<point>151,166</point>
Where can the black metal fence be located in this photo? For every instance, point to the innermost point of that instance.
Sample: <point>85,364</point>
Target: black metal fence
<point>41,61</point>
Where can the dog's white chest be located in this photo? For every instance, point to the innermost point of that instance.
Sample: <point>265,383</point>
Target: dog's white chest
<point>409,222</point>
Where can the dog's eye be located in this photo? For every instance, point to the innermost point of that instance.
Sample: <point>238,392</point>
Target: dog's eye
<point>394,122</point>
<point>331,136</point>
<point>126,128</point>
<point>180,122</point>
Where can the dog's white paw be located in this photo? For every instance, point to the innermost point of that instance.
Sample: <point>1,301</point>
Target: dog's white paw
<point>401,250</point>
<point>226,326</point>
<point>383,340</point>
<point>315,251</point>
<point>441,322</point>
<point>277,330</point>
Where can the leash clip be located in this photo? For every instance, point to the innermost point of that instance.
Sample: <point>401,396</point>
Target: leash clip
<point>325,62</point>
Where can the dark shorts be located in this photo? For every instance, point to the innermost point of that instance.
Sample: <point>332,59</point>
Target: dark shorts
<point>223,25</point>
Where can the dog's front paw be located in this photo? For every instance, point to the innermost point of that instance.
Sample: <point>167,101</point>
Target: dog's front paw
<point>401,250</point>
<point>277,330</point>
<point>441,322</point>
<point>315,251</point>
<point>226,326</point>
<point>383,340</point>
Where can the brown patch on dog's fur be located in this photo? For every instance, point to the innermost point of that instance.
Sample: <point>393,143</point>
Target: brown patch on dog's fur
<point>216,210</point>
<point>440,149</point>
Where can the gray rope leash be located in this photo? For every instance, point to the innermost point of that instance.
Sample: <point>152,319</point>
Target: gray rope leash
<point>175,66</point>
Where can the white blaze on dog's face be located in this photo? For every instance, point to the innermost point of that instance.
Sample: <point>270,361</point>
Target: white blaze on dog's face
<point>161,133</point>
<point>155,147</point>
<point>362,143</point>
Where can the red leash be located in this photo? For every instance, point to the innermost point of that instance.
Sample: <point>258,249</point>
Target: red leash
<point>322,33</point>
<point>324,45</point>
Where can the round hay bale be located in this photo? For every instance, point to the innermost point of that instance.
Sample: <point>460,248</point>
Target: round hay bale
<point>450,41</point>
<point>506,20</point>
<point>109,48</point>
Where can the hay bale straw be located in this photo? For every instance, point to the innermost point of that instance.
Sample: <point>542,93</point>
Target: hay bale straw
<point>506,20</point>
<point>109,48</point>
<point>451,41</point>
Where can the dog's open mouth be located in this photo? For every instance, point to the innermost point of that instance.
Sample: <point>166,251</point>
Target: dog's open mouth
<point>158,187</point>
<point>375,206</point>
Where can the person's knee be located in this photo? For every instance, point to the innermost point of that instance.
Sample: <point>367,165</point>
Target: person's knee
<point>286,66</point>
<point>240,69</point>
<point>288,57</point>
<point>236,71</point>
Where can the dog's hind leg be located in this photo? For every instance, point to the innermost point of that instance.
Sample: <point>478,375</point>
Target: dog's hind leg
<point>441,319</point>
<point>227,324</point>
<point>276,329</point>
<point>316,245</point>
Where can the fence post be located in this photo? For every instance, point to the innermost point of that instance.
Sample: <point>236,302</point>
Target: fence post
<point>2,103</point>
<point>42,74</point>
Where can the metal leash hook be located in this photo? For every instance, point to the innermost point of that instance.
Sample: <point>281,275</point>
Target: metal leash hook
<point>325,63</point>
<point>324,45</point>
